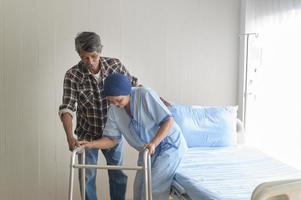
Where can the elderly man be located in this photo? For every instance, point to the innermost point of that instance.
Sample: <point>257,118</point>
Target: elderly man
<point>83,94</point>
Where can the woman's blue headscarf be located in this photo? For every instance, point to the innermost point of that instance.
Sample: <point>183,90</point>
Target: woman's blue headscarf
<point>117,85</point>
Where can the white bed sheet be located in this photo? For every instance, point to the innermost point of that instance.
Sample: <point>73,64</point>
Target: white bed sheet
<point>229,172</point>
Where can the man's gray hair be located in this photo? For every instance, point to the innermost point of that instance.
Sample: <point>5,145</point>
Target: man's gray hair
<point>88,41</point>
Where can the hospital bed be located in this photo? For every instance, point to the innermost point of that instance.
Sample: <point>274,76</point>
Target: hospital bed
<point>218,166</point>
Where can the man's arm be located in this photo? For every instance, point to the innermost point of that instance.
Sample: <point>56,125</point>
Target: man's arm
<point>67,123</point>
<point>67,108</point>
<point>166,103</point>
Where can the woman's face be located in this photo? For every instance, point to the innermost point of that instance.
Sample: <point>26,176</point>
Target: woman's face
<point>119,101</point>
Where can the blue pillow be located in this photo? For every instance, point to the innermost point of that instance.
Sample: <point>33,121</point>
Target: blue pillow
<point>210,126</point>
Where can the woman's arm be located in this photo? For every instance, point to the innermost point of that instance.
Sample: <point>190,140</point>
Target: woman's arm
<point>161,134</point>
<point>102,143</point>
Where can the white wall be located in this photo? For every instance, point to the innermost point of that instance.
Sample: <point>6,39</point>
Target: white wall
<point>186,50</point>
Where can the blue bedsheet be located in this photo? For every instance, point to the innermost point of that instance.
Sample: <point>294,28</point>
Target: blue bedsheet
<point>229,173</point>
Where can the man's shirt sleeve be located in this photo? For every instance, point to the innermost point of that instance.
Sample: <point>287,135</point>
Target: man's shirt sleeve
<point>69,96</point>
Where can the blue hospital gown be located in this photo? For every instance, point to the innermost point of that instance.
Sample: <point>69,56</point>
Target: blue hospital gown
<point>148,113</point>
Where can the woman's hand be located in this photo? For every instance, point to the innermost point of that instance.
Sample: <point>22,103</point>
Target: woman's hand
<point>102,143</point>
<point>86,144</point>
<point>151,147</point>
<point>161,134</point>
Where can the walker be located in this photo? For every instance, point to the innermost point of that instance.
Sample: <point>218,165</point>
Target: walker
<point>80,150</point>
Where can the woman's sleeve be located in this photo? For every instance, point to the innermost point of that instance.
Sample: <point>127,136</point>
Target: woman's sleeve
<point>111,129</point>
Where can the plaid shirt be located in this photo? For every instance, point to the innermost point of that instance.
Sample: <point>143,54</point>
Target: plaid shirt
<point>84,95</point>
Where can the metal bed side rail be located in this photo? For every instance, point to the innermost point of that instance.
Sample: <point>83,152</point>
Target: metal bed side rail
<point>80,150</point>
<point>287,189</point>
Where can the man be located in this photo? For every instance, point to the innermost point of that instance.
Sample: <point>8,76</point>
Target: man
<point>83,94</point>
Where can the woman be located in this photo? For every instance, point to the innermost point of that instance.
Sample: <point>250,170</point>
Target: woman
<point>139,115</point>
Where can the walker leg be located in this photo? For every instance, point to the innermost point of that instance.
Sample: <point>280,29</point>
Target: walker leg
<point>147,175</point>
<point>149,179</point>
<point>83,175</point>
<point>71,177</point>
<point>146,181</point>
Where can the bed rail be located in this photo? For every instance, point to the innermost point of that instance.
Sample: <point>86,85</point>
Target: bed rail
<point>80,150</point>
<point>284,190</point>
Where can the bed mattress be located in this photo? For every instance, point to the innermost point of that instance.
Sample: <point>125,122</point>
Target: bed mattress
<point>230,173</point>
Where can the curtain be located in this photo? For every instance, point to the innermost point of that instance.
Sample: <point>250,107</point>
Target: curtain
<point>273,108</point>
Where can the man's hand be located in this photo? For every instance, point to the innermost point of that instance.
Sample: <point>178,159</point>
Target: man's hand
<point>72,142</point>
<point>167,104</point>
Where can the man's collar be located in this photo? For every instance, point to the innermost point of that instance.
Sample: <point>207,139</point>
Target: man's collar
<point>86,71</point>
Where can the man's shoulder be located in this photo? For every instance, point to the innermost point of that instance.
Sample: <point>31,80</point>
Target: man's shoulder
<point>109,62</point>
<point>109,59</point>
<point>73,69</point>
<point>75,72</point>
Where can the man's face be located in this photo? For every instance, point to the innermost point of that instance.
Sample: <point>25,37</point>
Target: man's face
<point>119,101</point>
<point>91,60</point>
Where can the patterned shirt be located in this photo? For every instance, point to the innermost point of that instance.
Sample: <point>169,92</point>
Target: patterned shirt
<point>83,94</point>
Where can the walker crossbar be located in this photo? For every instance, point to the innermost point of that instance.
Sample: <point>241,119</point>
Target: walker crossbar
<point>80,150</point>
<point>110,167</point>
